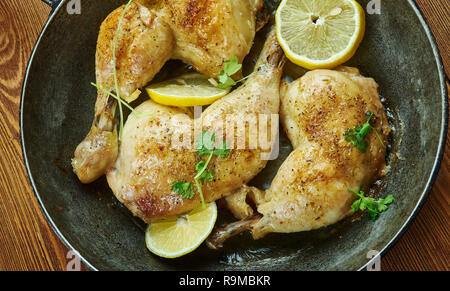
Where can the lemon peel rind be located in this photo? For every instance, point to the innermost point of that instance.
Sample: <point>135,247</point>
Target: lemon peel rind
<point>183,101</point>
<point>186,250</point>
<point>337,59</point>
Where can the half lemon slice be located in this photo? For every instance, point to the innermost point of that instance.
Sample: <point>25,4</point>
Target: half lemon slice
<point>179,235</point>
<point>192,89</point>
<point>319,34</point>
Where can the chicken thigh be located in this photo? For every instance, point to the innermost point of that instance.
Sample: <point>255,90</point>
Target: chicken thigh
<point>158,150</point>
<point>310,190</point>
<point>201,33</point>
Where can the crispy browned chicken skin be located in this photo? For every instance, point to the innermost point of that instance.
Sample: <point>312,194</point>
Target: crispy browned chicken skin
<point>202,33</point>
<point>310,189</point>
<point>151,156</point>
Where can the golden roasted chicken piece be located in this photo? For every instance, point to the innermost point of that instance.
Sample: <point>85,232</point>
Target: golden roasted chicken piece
<point>202,33</point>
<point>310,190</point>
<point>209,32</point>
<point>158,150</point>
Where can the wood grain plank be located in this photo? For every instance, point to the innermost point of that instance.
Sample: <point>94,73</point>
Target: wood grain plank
<point>437,14</point>
<point>28,242</point>
<point>426,244</point>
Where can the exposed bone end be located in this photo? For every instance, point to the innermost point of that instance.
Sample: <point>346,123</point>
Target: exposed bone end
<point>242,204</point>
<point>244,201</point>
<point>220,235</point>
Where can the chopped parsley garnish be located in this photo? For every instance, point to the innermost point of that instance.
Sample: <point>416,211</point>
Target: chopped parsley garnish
<point>356,136</point>
<point>374,207</point>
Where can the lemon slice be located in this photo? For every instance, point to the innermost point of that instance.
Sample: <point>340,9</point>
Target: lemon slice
<point>319,34</point>
<point>191,89</point>
<point>177,236</point>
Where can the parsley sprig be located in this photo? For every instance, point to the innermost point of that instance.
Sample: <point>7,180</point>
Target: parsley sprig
<point>374,207</point>
<point>185,189</point>
<point>205,146</point>
<point>230,68</point>
<point>203,174</point>
<point>357,135</point>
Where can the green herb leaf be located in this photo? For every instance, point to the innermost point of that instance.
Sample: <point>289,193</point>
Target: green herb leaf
<point>204,173</point>
<point>374,207</point>
<point>388,200</point>
<point>356,136</point>
<point>230,68</point>
<point>382,207</point>
<point>223,151</point>
<point>356,205</point>
<point>383,203</point>
<point>185,189</point>
<point>373,212</point>
<point>227,83</point>
<point>205,146</point>
<point>353,137</point>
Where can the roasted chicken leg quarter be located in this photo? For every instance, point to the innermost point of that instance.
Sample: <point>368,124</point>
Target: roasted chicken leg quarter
<point>158,150</point>
<point>310,190</point>
<point>201,33</point>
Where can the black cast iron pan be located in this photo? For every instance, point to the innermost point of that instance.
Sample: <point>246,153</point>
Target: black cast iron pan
<point>57,105</point>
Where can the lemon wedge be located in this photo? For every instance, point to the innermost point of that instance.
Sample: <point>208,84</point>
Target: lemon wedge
<point>179,235</point>
<point>319,34</point>
<point>192,89</point>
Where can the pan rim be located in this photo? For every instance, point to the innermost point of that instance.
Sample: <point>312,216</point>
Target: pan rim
<point>53,12</point>
<point>387,246</point>
<point>442,140</point>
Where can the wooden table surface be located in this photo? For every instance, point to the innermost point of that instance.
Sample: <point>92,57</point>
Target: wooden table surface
<point>27,241</point>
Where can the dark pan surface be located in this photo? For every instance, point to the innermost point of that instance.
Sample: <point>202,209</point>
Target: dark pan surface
<point>57,109</point>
